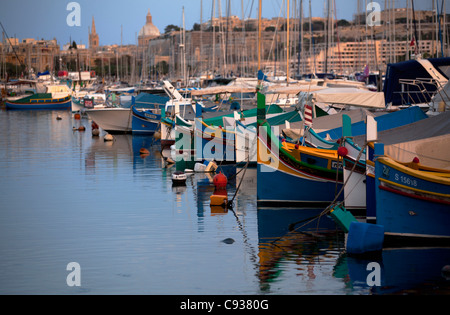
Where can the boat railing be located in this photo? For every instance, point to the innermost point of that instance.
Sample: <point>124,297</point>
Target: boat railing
<point>422,93</point>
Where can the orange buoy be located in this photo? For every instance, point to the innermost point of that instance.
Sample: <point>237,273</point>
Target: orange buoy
<point>77,116</point>
<point>220,180</point>
<point>81,128</point>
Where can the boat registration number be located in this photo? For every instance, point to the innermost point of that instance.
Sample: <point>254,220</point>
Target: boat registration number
<point>406,180</point>
<point>150,116</point>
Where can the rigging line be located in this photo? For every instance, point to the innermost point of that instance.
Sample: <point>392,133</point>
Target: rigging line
<point>15,53</point>
<point>346,181</point>
<point>243,176</point>
<point>239,186</point>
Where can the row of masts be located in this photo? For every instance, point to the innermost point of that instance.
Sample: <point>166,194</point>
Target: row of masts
<point>331,33</point>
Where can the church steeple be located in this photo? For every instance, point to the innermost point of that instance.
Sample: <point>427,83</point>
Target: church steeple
<point>93,27</point>
<point>93,36</point>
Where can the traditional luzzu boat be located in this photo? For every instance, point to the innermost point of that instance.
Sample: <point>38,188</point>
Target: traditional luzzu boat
<point>408,183</point>
<point>360,190</point>
<point>145,121</point>
<point>58,97</point>
<point>219,138</point>
<point>411,200</point>
<point>292,174</point>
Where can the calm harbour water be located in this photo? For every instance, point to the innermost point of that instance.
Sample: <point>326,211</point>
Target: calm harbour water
<point>68,197</point>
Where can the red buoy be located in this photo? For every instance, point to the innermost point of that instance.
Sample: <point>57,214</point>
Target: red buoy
<point>416,160</point>
<point>220,181</point>
<point>342,151</point>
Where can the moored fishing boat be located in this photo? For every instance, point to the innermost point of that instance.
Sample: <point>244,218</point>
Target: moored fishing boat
<point>58,97</point>
<point>411,138</point>
<point>112,119</point>
<point>145,121</point>
<point>291,174</point>
<point>412,201</point>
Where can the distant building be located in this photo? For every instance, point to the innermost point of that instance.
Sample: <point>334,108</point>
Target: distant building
<point>93,37</point>
<point>148,32</point>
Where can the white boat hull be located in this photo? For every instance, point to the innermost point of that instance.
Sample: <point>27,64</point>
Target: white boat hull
<point>113,120</point>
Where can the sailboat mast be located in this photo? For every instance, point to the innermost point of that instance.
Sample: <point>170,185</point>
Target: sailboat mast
<point>184,50</point>
<point>214,35</point>
<point>259,34</point>
<point>288,54</point>
<point>300,38</point>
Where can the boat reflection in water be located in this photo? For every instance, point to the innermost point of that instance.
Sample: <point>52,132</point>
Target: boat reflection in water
<point>106,154</point>
<point>296,243</point>
<point>401,271</point>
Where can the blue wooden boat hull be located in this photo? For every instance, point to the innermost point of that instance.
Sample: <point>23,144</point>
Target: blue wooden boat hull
<point>277,188</point>
<point>411,205</point>
<point>145,122</point>
<point>65,103</point>
<point>215,143</point>
<point>283,181</point>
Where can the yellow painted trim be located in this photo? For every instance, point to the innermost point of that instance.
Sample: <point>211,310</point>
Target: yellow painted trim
<point>414,189</point>
<point>419,174</point>
<point>216,128</point>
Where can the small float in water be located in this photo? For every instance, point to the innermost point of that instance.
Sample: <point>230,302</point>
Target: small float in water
<point>179,178</point>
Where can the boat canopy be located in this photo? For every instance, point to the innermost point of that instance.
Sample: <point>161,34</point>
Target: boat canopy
<point>415,81</point>
<point>424,128</point>
<point>348,96</point>
<point>292,89</point>
<point>222,90</point>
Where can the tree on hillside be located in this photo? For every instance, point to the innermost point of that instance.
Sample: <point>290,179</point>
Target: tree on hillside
<point>170,28</point>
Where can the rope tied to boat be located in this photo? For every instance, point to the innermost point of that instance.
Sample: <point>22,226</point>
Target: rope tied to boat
<point>334,203</point>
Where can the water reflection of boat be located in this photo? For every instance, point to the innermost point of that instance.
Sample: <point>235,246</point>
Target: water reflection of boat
<point>402,270</point>
<point>124,146</point>
<point>279,245</point>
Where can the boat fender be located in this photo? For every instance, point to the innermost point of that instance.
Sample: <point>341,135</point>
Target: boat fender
<point>342,151</point>
<point>108,137</point>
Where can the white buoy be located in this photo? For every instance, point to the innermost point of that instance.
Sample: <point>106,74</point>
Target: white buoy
<point>108,137</point>
<point>95,132</point>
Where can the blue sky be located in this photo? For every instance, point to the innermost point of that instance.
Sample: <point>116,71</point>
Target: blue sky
<point>47,18</point>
